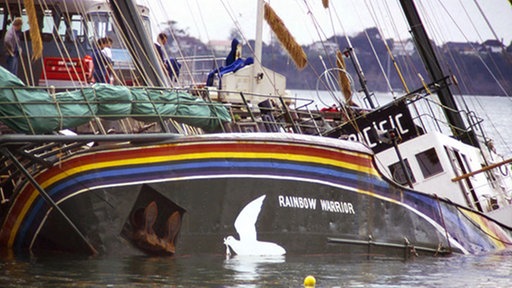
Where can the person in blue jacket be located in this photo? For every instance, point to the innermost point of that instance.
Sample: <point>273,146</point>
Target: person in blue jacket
<point>234,53</point>
<point>171,65</point>
<point>102,63</point>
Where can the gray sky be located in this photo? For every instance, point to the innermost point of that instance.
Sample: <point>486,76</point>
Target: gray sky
<point>214,19</point>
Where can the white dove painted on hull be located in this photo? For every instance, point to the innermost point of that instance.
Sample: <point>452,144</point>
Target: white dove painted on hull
<point>245,225</point>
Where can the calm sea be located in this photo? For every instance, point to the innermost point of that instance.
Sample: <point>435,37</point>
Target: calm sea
<point>490,270</point>
<point>487,270</point>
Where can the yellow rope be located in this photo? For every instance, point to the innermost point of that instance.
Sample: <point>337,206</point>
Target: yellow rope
<point>285,38</point>
<point>344,81</point>
<point>35,37</point>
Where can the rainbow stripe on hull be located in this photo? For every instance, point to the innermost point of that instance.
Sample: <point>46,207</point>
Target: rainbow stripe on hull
<point>338,172</point>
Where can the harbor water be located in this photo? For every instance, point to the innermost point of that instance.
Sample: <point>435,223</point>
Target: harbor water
<point>485,270</point>
<point>489,270</point>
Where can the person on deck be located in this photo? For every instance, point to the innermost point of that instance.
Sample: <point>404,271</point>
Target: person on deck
<point>103,70</point>
<point>161,40</point>
<point>171,65</point>
<point>235,52</point>
<point>107,51</point>
<point>12,46</point>
<point>107,47</point>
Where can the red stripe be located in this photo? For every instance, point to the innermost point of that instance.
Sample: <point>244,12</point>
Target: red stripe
<point>122,153</point>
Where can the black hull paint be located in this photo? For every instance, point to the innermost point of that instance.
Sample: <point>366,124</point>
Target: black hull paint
<point>263,195</point>
<point>211,206</point>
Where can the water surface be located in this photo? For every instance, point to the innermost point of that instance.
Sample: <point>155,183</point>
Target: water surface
<point>488,270</point>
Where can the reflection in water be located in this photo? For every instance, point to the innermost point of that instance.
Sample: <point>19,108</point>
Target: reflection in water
<point>250,268</point>
<point>489,270</point>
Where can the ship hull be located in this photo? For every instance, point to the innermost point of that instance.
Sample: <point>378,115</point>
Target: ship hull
<point>272,195</point>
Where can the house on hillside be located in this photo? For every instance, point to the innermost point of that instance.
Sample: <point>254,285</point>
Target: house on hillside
<point>220,47</point>
<point>187,44</point>
<point>326,47</point>
<point>492,46</point>
<point>403,48</point>
<point>466,48</point>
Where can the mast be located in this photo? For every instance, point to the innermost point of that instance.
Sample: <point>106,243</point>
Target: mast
<point>139,42</point>
<point>436,74</point>
<point>259,28</point>
<point>256,68</point>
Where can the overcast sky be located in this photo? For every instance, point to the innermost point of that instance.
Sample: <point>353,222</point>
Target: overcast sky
<point>214,19</point>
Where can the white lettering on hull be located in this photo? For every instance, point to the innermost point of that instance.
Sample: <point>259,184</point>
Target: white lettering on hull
<point>393,122</point>
<point>310,203</point>
<point>297,202</point>
<point>338,207</point>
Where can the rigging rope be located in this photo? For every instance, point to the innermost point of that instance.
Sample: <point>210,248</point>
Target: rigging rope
<point>321,35</point>
<point>457,64</point>
<point>384,74</point>
<point>454,23</point>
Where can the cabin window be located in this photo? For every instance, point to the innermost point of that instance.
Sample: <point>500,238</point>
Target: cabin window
<point>24,17</point>
<point>429,163</point>
<point>459,161</point>
<point>63,29</point>
<point>97,24</point>
<point>77,26</point>
<point>100,24</point>
<point>25,25</point>
<point>398,173</point>
<point>2,18</point>
<point>48,22</point>
<point>73,30</point>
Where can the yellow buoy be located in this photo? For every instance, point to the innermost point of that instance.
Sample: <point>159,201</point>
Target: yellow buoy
<point>309,281</point>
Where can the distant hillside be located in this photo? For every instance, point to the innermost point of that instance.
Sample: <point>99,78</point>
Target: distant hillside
<point>469,62</point>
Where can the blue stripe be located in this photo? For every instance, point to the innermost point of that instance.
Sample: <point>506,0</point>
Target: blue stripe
<point>176,168</point>
<point>117,175</point>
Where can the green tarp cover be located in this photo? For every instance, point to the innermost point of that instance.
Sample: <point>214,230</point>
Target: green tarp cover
<point>35,111</point>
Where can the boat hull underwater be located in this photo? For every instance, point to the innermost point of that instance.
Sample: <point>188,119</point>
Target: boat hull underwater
<point>257,194</point>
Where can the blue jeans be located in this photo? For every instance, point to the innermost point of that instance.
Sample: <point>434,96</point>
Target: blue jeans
<point>11,64</point>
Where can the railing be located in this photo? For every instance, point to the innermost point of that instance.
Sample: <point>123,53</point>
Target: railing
<point>195,69</point>
<point>248,112</point>
<point>98,114</point>
<point>499,179</point>
<point>245,113</point>
<point>36,151</point>
<point>428,113</point>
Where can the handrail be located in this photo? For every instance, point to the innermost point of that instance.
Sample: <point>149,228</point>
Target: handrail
<point>141,115</point>
<point>486,168</point>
